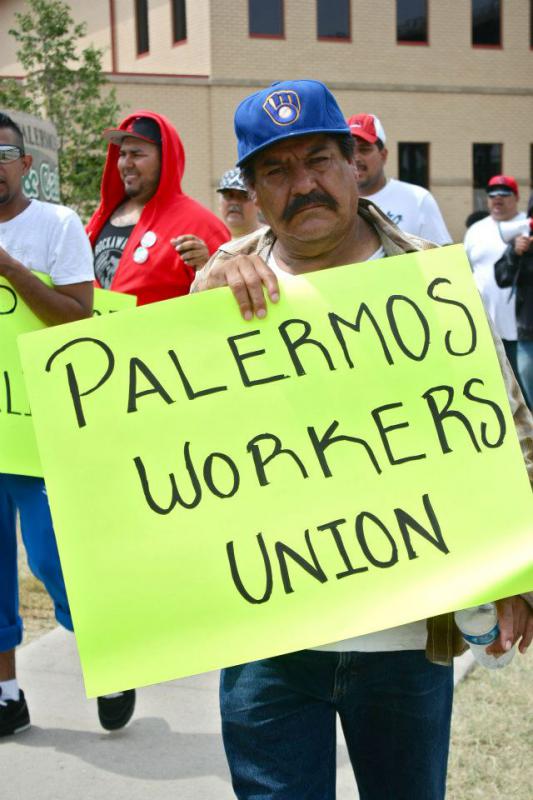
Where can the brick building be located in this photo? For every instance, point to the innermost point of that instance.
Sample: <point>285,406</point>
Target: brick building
<point>451,81</point>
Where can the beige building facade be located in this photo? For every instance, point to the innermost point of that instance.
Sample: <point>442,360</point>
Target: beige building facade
<point>446,93</point>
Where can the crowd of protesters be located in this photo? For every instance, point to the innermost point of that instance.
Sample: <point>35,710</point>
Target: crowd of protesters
<point>309,192</point>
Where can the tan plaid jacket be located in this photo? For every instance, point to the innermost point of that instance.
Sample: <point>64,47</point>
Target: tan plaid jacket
<point>444,640</point>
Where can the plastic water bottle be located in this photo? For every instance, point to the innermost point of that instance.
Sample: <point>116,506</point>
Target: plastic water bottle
<point>479,626</point>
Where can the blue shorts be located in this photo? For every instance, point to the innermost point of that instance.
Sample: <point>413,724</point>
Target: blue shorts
<point>28,496</point>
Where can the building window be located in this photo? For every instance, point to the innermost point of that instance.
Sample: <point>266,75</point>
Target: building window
<point>179,20</point>
<point>486,162</point>
<point>265,18</point>
<point>486,23</point>
<point>412,21</point>
<point>141,23</point>
<point>333,19</point>
<point>413,161</point>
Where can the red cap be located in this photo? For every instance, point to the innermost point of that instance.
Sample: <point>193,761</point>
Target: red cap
<point>503,180</point>
<point>367,127</point>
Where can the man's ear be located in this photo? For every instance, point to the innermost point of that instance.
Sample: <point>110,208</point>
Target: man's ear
<point>354,169</point>
<point>27,161</point>
<point>384,155</point>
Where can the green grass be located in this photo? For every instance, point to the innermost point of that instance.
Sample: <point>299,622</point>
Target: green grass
<point>492,734</point>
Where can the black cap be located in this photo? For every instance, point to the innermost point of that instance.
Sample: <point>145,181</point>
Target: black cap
<point>143,128</point>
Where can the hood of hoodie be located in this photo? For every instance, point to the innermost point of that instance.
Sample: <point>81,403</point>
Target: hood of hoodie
<point>169,189</point>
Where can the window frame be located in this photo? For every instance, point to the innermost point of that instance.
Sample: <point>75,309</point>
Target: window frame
<point>268,35</point>
<point>485,46</point>
<point>178,42</point>
<point>144,5</point>
<point>427,145</point>
<point>345,39</point>
<point>412,43</point>
<point>479,194</point>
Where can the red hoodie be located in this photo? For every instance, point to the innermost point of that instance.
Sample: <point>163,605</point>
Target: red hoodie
<point>168,214</point>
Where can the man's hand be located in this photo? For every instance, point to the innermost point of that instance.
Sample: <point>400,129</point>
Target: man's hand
<point>247,277</point>
<point>515,618</point>
<point>522,244</point>
<point>53,305</point>
<point>192,249</point>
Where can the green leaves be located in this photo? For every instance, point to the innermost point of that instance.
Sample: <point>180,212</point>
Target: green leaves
<point>65,84</point>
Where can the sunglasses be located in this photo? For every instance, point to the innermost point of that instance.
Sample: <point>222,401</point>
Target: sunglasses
<point>500,193</point>
<point>10,152</point>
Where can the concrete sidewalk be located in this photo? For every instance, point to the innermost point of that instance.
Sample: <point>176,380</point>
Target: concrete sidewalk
<point>172,749</point>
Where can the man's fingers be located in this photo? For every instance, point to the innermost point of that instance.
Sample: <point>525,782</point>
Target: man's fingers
<point>515,619</point>
<point>506,622</point>
<point>527,636</point>
<point>185,237</point>
<point>250,272</point>
<point>523,623</point>
<point>192,249</point>
<point>522,244</point>
<point>269,279</point>
<point>239,287</point>
<point>258,276</point>
<point>186,247</point>
<point>247,276</point>
<point>192,246</point>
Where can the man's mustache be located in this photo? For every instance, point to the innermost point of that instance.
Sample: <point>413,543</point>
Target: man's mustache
<point>234,210</point>
<point>311,199</point>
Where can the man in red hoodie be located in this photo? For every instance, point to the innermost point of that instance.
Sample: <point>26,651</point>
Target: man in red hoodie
<point>147,235</point>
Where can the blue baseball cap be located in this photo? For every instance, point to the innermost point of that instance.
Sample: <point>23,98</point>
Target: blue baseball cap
<point>285,109</point>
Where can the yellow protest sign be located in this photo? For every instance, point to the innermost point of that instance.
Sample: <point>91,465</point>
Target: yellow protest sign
<point>224,491</point>
<point>18,448</point>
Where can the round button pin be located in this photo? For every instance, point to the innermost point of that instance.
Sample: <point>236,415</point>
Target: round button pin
<point>149,239</point>
<point>140,255</point>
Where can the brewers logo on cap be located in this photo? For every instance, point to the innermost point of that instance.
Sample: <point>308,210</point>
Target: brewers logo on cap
<point>283,107</point>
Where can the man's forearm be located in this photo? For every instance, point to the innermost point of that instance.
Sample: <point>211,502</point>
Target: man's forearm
<point>52,305</point>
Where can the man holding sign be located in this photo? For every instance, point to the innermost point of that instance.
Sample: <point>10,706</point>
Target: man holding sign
<point>392,689</point>
<point>50,239</point>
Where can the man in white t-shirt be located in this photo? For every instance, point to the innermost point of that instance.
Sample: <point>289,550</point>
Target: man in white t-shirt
<point>484,246</point>
<point>50,239</point>
<point>392,689</point>
<point>412,208</point>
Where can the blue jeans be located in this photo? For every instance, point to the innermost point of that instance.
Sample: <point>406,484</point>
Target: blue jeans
<point>279,718</point>
<point>28,495</point>
<point>511,351</point>
<point>524,364</point>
